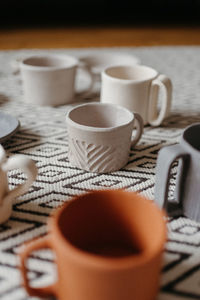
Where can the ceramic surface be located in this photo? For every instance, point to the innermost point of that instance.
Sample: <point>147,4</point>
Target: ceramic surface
<point>187,195</point>
<point>8,126</point>
<point>137,88</point>
<point>99,136</point>
<point>100,61</point>
<point>50,79</point>
<point>7,196</point>
<point>107,244</point>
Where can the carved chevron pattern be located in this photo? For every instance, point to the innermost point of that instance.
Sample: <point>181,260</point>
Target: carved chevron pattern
<point>96,158</point>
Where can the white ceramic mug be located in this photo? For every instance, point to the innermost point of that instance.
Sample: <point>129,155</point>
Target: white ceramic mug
<point>137,88</point>
<point>17,161</point>
<point>97,62</point>
<point>100,136</point>
<point>50,79</point>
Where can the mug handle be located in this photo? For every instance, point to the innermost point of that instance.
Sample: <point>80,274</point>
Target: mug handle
<point>47,291</point>
<point>164,82</point>
<point>25,164</point>
<point>166,158</point>
<point>92,77</point>
<point>139,128</point>
<point>15,65</point>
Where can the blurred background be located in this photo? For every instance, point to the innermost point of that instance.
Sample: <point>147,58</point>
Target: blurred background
<point>40,13</point>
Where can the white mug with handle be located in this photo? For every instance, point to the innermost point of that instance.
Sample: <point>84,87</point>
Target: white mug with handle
<point>17,161</point>
<point>100,136</point>
<point>137,88</point>
<point>50,79</point>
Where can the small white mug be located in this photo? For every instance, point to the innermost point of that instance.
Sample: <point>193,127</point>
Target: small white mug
<point>100,136</point>
<point>137,88</point>
<point>97,62</point>
<point>17,161</point>
<point>49,80</point>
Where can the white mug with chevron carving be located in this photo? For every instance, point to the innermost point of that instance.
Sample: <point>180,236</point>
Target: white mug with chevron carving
<point>137,88</point>
<point>17,161</point>
<point>100,136</point>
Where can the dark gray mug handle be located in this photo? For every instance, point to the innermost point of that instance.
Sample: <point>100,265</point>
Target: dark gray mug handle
<point>167,155</point>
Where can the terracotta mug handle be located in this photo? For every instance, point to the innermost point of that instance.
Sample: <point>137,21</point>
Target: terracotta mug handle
<point>30,247</point>
<point>139,128</point>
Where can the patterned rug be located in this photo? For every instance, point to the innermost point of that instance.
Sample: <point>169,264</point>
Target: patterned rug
<point>43,137</point>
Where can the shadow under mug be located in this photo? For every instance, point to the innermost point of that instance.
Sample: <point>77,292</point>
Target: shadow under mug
<point>138,88</point>
<point>108,245</point>
<point>187,192</point>
<point>49,80</point>
<point>100,136</point>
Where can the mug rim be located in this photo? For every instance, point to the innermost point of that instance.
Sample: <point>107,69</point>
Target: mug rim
<point>99,129</point>
<point>106,262</point>
<point>130,81</point>
<point>26,66</point>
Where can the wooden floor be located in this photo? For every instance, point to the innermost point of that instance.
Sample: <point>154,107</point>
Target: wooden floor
<point>70,37</point>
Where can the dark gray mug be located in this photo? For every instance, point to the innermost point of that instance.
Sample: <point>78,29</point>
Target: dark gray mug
<point>187,192</point>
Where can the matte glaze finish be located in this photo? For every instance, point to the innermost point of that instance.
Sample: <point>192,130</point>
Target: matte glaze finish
<point>137,88</point>
<point>187,193</point>
<point>17,161</point>
<point>99,136</point>
<point>97,62</point>
<point>99,219</point>
<point>49,80</point>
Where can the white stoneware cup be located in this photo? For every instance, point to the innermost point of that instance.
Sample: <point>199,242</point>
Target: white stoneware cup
<point>49,80</point>
<point>100,136</point>
<point>7,196</point>
<point>97,62</point>
<point>137,88</point>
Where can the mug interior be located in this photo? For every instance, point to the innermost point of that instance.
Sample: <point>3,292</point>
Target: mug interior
<point>191,136</point>
<point>112,224</point>
<point>49,61</point>
<point>137,72</point>
<point>100,115</point>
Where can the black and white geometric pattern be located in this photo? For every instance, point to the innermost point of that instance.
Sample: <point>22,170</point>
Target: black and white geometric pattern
<point>43,137</point>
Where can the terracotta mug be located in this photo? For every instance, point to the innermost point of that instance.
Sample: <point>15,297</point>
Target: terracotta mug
<point>99,136</point>
<point>187,193</point>
<point>137,88</point>
<point>108,245</point>
<point>49,80</point>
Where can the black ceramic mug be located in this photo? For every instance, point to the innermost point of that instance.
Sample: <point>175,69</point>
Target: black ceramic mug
<point>187,192</point>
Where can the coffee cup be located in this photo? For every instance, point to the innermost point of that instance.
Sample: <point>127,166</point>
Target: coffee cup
<point>187,192</point>
<point>100,136</point>
<point>97,62</point>
<point>7,196</point>
<point>108,245</point>
<point>49,80</point>
<point>137,88</point>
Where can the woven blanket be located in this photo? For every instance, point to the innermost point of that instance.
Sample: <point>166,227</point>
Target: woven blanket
<point>43,137</point>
